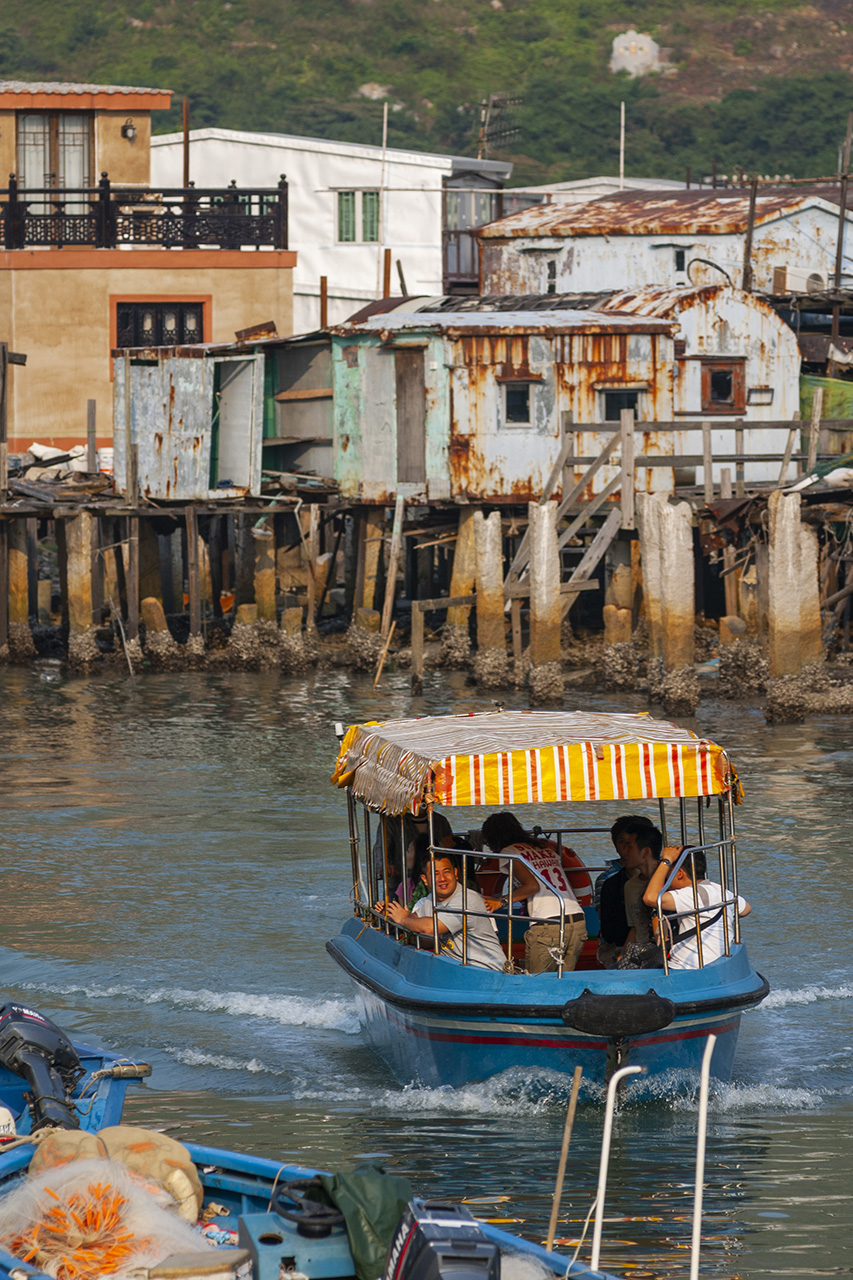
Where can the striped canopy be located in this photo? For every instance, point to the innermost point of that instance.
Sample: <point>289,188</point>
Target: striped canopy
<point>502,758</point>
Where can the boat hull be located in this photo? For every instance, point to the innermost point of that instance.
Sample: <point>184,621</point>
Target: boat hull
<point>438,1023</point>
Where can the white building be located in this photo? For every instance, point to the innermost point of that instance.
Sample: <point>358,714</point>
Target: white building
<point>695,237</point>
<point>348,202</point>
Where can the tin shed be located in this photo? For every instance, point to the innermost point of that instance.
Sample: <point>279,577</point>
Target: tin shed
<point>472,406</point>
<point>197,417</point>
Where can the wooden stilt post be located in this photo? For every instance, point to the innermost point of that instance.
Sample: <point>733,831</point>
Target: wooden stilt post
<point>4,584</point>
<point>91,441</point>
<point>417,648</point>
<point>814,430</point>
<point>393,559</point>
<point>193,574</point>
<point>214,551</point>
<point>707,464</point>
<point>313,553</point>
<point>32,569</point>
<point>729,553</point>
<point>133,543</point>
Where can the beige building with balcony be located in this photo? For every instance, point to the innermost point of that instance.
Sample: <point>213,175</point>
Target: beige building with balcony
<point>93,260</point>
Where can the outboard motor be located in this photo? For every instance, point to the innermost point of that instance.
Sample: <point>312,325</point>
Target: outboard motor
<point>437,1240</point>
<point>34,1047</point>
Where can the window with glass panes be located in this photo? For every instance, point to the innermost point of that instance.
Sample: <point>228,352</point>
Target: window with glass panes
<point>158,324</point>
<point>346,216</point>
<point>54,149</point>
<point>358,217</point>
<point>370,215</point>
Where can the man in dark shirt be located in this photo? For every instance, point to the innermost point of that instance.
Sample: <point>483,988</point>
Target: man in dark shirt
<point>611,907</point>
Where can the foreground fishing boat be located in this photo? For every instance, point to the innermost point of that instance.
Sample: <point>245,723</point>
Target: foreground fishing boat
<point>439,1020</point>
<point>250,1218</point>
<point>47,1080</point>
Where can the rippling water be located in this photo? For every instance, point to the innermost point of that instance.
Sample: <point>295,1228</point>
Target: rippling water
<point>175,860</point>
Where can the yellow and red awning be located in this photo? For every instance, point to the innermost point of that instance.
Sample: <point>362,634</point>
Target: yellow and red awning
<point>505,758</point>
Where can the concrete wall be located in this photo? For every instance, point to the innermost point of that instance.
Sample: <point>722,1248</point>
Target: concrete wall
<point>804,241</point>
<point>121,160</point>
<point>62,304</point>
<point>316,170</point>
<point>8,148</point>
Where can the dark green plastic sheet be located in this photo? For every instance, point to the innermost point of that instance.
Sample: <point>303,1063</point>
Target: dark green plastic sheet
<point>372,1202</point>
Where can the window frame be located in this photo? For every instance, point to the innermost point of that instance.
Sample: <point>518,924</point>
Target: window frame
<point>158,301</point>
<point>604,392</point>
<point>53,119</point>
<point>506,384</point>
<point>734,365</point>
<point>358,208</point>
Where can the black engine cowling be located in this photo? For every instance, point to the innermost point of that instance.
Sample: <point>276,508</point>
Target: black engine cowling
<point>34,1047</point>
<point>437,1240</point>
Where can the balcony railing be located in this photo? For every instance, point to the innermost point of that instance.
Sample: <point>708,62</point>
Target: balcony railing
<point>107,217</point>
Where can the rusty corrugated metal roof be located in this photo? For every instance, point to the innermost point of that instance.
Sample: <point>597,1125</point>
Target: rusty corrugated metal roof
<point>644,213</point>
<point>504,322</point>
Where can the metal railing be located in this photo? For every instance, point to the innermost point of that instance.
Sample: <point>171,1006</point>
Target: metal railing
<point>467,858</point>
<point>108,217</point>
<point>697,914</point>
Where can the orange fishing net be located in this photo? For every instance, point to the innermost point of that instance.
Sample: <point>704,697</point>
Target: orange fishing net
<point>81,1236</point>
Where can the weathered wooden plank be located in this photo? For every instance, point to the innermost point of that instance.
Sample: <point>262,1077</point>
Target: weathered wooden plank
<point>393,561</point>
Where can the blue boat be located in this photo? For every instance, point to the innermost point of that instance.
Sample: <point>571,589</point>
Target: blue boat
<point>269,1221</point>
<point>442,1020</point>
<point>47,1080</point>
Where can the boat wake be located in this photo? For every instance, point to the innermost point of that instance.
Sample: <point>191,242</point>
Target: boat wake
<point>220,1061</point>
<point>785,997</point>
<point>288,1011</point>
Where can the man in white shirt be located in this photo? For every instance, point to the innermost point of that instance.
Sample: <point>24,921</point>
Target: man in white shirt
<point>483,948</point>
<point>685,952</point>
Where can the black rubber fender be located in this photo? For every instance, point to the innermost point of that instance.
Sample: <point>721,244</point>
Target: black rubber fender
<point>618,1016</point>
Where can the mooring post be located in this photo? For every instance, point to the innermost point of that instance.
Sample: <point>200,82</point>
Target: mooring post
<point>132,576</point>
<point>193,574</point>
<point>417,648</point>
<point>21,646</point>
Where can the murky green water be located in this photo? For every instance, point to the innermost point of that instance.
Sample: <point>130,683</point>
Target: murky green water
<point>175,861</point>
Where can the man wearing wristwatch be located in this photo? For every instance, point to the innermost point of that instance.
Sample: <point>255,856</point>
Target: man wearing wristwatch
<point>680,899</point>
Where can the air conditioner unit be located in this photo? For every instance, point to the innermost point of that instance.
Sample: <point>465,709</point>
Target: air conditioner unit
<point>797,280</point>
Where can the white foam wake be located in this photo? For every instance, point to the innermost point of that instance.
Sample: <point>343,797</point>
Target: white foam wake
<point>288,1011</point>
<point>221,1061</point>
<point>806,995</point>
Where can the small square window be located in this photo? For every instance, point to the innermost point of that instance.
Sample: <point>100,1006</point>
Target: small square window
<point>616,401</point>
<point>723,386</point>
<point>517,403</point>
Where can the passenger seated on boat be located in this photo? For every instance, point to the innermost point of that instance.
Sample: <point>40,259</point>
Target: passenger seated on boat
<point>414,825</point>
<point>504,834</point>
<point>685,952</point>
<point>483,947</point>
<point>614,926</point>
<point>642,949</point>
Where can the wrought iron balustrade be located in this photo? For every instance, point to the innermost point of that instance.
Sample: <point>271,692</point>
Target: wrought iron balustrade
<point>107,217</point>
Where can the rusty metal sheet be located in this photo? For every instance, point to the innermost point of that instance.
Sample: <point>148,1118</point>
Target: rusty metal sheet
<point>638,213</point>
<point>171,405</point>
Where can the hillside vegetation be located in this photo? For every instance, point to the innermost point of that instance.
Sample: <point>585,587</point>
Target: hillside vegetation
<point>763,87</point>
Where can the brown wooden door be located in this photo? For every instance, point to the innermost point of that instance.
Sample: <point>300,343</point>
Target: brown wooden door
<point>411,416</point>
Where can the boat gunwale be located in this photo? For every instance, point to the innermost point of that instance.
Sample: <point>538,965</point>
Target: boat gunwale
<point>551,1012</point>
